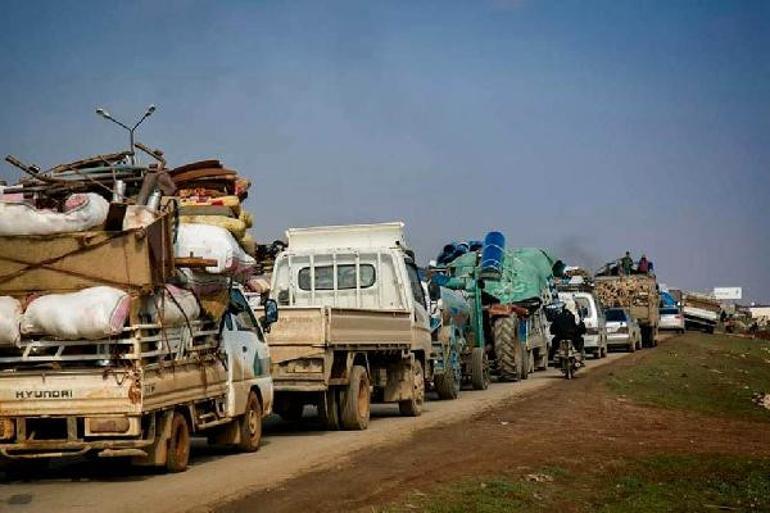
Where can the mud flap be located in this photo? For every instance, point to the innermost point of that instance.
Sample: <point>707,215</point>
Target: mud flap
<point>157,452</point>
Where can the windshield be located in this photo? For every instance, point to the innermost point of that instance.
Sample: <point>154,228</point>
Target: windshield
<point>615,315</point>
<point>584,304</point>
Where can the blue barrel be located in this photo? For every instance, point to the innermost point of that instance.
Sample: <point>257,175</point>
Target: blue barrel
<point>451,251</point>
<point>492,256</point>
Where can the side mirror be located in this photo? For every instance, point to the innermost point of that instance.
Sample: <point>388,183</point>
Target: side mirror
<point>434,291</point>
<point>271,315</point>
<point>584,312</point>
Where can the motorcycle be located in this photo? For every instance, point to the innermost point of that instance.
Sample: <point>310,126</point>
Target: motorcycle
<point>569,359</point>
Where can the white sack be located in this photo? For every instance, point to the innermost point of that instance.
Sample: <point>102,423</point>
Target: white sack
<point>82,212</point>
<point>171,314</point>
<point>93,313</point>
<point>216,243</point>
<point>138,216</point>
<point>10,316</point>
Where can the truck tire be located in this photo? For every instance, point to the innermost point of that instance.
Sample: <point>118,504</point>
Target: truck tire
<point>510,358</point>
<point>329,409</point>
<point>648,338</point>
<point>479,369</point>
<point>356,401</point>
<point>250,425</point>
<point>412,407</point>
<point>526,363</point>
<point>447,385</point>
<point>178,454</point>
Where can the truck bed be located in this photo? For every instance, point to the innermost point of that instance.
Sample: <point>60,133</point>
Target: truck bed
<point>304,338</point>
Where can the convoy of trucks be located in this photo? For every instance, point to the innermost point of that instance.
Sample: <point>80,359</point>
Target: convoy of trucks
<point>135,307</point>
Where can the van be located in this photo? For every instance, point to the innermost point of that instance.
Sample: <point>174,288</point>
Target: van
<point>593,316</point>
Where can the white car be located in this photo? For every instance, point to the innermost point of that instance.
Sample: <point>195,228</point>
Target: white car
<point>622,329</point>
<point>671,319</point>
<point>593,317</point>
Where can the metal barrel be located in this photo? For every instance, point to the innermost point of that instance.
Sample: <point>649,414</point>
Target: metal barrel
<point>492,256</point>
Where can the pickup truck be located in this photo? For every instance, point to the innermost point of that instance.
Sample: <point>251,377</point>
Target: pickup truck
<point>354,325</point>
<point>700,311</point>
<point>143,392</point>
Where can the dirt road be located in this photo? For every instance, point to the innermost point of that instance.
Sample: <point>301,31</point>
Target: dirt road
<point>215,476</point>
<point>580,428</point>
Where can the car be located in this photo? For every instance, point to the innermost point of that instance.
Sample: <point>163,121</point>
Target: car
<point>622,329</point>
<point>595,339</point>
<point>671,319</point>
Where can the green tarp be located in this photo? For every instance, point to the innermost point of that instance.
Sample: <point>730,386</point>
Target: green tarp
<point>526,275</point>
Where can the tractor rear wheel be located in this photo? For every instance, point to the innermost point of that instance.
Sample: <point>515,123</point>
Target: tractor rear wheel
<point>510,357</point>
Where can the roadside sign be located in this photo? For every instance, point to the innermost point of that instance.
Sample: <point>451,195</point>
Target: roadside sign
<point>728,293</point>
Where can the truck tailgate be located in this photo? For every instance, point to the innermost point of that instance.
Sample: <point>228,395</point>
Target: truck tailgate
<point>324,326</point>
<point>92,391</point>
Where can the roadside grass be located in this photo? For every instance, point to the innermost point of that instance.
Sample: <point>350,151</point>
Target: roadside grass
<point>712,374</point>
<point>675,484</point>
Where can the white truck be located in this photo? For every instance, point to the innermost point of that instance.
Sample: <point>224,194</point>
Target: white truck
<point>140,395</point>
<point>354,325</point>
<point>701,311</point>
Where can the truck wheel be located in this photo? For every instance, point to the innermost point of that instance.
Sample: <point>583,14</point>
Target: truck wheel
<point>356,400</point>
<point>329,409</point>
<point>647,337</point>
<point>508,350</point>
<point>250,425</point>
<point>525,363</point>
<point>412,407</point>
<point>479,369</point>
<point>447,385</point>
<point>178,454</point>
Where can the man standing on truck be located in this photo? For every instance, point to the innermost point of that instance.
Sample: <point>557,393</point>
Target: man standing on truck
<point>565,327</point>
<point>627,263</point>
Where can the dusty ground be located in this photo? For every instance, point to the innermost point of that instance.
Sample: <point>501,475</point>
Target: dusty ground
<point>288,450</point>
<point>571,424</point>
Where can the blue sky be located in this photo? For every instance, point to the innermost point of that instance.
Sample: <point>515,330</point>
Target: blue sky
<point>585,127</point>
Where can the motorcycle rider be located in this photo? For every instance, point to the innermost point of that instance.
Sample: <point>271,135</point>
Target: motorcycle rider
<point>564,326</point>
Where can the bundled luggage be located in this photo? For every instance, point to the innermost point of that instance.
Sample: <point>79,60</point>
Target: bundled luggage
<point>173,273</point>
